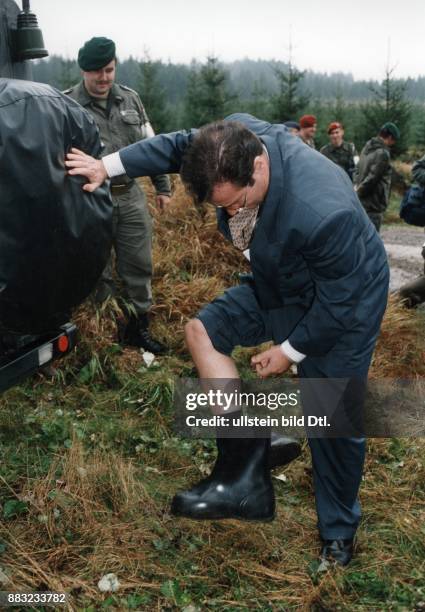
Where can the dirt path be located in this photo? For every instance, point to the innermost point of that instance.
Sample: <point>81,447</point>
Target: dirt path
<point>403,244</point>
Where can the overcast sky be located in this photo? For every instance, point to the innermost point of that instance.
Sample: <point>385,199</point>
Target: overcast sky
<point>327,35</point>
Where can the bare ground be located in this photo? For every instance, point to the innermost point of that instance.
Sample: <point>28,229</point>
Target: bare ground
<point>403,244</point>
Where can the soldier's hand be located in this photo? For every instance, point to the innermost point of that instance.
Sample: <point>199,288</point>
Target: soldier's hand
<point>162,201</point>
<point>93,169</point>
<point>269,362</point>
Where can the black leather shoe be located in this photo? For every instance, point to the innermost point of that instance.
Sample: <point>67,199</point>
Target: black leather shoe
<point>283,450</point>
<point>239,486</point>
<point>337,551</point>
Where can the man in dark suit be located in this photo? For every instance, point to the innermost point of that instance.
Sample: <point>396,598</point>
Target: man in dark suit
<point>319,292</point>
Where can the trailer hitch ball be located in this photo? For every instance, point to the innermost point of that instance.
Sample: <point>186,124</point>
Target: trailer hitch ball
<point>29,39</point>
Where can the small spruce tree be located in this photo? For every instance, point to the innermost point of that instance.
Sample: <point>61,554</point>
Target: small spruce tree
<point>207,98</point>
<point>389,103</point>
<point>288,103</point>
<point>153,95</point>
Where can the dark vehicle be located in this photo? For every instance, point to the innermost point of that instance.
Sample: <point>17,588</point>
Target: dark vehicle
<point>54,237</point>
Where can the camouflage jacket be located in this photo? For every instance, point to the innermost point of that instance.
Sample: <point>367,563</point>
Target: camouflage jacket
<point>122,123</point>
<point>342,156</point>
<point>373,176</point>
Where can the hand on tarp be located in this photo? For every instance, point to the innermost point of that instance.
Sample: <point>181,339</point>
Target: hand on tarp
<point>80,163</point>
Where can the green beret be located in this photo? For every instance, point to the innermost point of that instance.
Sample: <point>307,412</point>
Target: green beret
<point>392,129</point>
<point>96,53</point>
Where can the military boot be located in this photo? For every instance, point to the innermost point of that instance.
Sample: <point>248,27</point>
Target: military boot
<point>136,333</point>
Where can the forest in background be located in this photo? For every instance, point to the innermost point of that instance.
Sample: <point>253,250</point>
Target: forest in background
<point>180,96</point>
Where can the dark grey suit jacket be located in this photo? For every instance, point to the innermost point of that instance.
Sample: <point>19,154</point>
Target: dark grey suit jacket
<point>314,250</point>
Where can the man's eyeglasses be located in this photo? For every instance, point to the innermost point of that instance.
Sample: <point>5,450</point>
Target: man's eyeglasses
<point>234,203</point>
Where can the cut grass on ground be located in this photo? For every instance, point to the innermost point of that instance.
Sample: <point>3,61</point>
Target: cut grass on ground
<point>89,463</point>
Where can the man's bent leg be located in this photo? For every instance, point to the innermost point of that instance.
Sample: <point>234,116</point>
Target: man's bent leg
<point>239,485</point>
<point>209,362</point>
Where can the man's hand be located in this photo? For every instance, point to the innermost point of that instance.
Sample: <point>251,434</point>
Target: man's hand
<point>93,169</point>
<point>269,362</point>
<point>162,201</point>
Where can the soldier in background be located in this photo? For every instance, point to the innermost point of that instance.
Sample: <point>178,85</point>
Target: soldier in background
<point>342,153</point>
<point>122,120</point>
<point>308,127</point>
<point>293,127</point>
<point>373,174</point>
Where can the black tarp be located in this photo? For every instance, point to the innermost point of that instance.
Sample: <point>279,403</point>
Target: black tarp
<point>55,238</point>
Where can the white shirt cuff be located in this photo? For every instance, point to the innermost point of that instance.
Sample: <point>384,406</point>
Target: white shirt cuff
<point>113,164</point>
<point>291,353</point>
<point>149,130</point>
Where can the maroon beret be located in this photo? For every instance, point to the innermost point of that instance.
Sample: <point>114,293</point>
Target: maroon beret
<point>307,121</point>
<point>335,125</point>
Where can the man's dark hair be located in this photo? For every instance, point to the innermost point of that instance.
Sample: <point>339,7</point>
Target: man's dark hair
<point>220,152</point>
<point>389,129</point>
<point>384,133</point>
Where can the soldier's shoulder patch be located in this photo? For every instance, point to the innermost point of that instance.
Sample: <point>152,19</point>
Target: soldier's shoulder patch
<point>125,88</point>
<point>68,91</point>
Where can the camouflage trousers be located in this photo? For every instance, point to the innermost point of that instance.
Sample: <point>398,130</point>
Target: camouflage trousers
<point>132,245</point>
<point>376,219</point>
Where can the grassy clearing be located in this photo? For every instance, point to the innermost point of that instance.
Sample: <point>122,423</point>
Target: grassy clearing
<point>89,463</point>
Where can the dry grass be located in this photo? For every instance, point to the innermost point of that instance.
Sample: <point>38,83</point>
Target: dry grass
<point>101,505</point>
<point>400,351</point>
<point>404,169</point>
<point>110,515</point>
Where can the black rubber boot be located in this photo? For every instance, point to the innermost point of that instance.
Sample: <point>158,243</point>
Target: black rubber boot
<point>283,450</point>
<point>238,487</point>
<point>136,333</point>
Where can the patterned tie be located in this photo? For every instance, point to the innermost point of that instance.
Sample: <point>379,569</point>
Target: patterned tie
<point>242,226</point>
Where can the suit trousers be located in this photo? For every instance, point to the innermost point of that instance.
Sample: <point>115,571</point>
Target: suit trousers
<point>236,319</point>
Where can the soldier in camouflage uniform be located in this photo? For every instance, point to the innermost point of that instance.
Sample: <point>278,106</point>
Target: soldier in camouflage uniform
<point>373,173</point>
<point>342,153</point>
<point>122,120</point>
